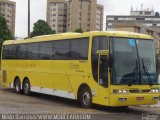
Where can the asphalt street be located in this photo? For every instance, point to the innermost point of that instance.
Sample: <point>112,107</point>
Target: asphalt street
<point>12,103</point>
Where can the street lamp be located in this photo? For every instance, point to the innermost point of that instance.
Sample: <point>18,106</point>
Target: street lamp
<point>28,18</point>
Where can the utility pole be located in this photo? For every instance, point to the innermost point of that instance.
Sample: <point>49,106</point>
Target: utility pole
<point>28,18</point>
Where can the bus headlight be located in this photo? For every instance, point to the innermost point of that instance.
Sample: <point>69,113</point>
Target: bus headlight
<point>120,91</point>
<point>155,90</point>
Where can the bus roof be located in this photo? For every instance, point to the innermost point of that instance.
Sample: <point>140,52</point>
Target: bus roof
<point>78,35</point>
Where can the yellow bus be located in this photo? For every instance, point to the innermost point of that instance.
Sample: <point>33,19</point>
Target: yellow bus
<point>106,68</point>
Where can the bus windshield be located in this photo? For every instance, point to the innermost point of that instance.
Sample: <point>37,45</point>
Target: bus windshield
<point>134,62</point>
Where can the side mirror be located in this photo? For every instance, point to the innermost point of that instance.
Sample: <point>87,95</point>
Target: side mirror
<point>111,60</point>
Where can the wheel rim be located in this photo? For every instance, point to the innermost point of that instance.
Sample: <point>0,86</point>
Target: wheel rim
<point>86,98</point>
<point>26,87</point>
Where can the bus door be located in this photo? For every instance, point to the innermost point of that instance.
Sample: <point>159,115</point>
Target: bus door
<point>103,77</point>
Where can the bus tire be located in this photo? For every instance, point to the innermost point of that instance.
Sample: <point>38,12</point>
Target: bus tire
<point>85,97</point>
<point>26,87</point>
<point>17,86</point>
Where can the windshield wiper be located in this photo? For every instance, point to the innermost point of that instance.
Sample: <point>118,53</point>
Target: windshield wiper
<point>147,73</point>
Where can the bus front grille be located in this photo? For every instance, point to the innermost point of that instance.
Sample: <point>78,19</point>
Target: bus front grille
<point>140,91</point>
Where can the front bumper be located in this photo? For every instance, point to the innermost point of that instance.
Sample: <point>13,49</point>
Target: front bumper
<point>133,99</point>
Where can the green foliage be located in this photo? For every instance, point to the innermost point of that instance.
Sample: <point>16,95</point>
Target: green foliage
<point>79,30</point>
<point>5,33</point>
<point>41,28</point>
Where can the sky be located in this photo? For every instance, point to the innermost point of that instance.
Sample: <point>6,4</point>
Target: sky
<point>111,7</point>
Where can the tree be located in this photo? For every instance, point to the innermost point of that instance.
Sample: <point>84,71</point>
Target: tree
<point>41,28</point>
<point>5,33</point>
<point>79,30</point>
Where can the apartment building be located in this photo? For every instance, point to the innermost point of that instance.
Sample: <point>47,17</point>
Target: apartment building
<point>68,15</point>
<point>7,10</point>
<point>146,17</point>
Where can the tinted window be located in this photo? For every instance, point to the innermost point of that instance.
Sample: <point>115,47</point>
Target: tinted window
<point>5,52</point>
<point>146,50</point>
<point>103,71</point>
<point>61,49</point>
<point>32,51</point>
<point>10,51</point>
<point>46,50</point>
<point>79,49</point>
<point>99,43</point>
<point>21,53</point>
<point>125,67</point>
<point>73,49</point>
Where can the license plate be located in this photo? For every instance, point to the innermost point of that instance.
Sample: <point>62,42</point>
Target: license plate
<point>140,98</point>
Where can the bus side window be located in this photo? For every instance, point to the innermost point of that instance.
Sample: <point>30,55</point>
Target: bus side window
<point>9,51</point>
<point>98,43</point>
<point>22,51</point>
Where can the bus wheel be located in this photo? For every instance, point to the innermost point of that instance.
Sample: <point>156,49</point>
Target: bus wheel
<point>18,86</point>
<point>86,97</point>
<point>26,87</point>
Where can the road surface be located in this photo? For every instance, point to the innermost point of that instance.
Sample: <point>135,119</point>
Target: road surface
<point>12,103</point>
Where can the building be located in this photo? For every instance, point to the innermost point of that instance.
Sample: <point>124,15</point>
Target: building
<point>57,15</point>
<point>145,17</point>
<point>68,15</point>
<point>139,28</point>
<point>7,10</point>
